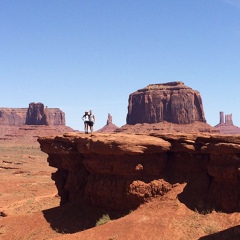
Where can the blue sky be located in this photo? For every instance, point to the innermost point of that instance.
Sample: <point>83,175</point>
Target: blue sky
<point>80,55</point>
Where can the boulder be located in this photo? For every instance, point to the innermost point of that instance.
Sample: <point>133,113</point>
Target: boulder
<point>172,102</point>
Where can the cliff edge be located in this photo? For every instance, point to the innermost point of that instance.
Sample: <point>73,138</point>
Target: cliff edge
<point>121,171</point>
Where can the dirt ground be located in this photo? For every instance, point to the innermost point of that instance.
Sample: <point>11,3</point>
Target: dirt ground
<point>29,208</point>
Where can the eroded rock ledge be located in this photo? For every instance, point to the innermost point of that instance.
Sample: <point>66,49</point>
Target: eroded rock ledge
<point>121,171</point>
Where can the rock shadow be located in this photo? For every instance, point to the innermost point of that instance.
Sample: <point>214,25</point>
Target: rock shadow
<point>232,233</point>
<point>75,217</point>
<point>195,195</point>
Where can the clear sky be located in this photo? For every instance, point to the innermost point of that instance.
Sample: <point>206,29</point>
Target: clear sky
<point>78,55</point>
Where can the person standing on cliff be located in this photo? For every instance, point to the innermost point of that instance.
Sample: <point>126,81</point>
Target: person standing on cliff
<point>91,120</point>
<point>85,118</point>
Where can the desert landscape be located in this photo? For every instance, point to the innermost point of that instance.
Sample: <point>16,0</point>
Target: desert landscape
<point>168,176</point>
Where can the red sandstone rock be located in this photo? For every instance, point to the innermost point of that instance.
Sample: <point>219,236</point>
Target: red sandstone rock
<point>13,116</point>
<point>121,171</point>
<point>109,127</point>
<point>227,127</point>
<point>36,114</point>
<point>166,127</point>
<point>172,102</point>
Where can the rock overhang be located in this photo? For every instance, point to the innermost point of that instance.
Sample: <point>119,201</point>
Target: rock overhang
<point>115,163</point>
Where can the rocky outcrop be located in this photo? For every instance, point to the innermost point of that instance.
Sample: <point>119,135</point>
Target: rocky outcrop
<point>121,171</point>
<point>38,115</point>
<point>35,114</point>
<point>54,116</point>
<point>172,102</point>
<point>227,126</point>
<point>109,127</point>
<point>13,116</point>
<point>166,127</point>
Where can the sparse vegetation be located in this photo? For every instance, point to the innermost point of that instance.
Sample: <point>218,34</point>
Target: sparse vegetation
<point>64,231</point>
<point>211,228</point>
<point>104,219</point>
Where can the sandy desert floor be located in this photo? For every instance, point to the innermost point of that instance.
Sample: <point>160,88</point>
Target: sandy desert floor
<point>29,208</point>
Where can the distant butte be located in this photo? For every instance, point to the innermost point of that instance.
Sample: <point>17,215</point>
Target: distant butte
<point>35,114</point>
<point>171,102</point>
<point>227,126</point>
<point>166,107</point>
<point>25,125</point>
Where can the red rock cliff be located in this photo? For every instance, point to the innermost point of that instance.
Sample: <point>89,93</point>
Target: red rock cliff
<point>13,116</point>
<point>35,114</point>
<point>172,102</point>
<point>121,171</point>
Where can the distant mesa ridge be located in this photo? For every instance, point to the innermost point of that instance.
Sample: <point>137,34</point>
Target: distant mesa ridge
<point>35,114</point>
<point>172,102</point>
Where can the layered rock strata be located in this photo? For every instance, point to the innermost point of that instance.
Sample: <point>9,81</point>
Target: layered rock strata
<point>172,102</point>
<point>121,171</point>
<point>13,116</point>
<point>35,114</point>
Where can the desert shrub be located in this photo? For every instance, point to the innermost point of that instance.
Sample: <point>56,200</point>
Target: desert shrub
<point>104,219</point>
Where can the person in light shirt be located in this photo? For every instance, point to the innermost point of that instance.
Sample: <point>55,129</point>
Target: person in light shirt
<point>91,120</point>
<point>85,119</point>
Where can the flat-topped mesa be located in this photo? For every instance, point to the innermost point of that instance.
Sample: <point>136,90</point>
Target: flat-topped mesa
<point>172,102</point>
<point>38,115</point>
<point>35,114</point>
<point>13,116</point>
<point>121,171</point>
<point>165,86</point>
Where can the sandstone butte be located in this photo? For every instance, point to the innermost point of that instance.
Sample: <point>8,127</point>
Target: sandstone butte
<point>172,102</point>
<point>35,114</point>
<point>122,171</point>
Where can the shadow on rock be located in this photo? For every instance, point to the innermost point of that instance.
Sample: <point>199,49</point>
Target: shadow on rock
<point>228,234</point>
<point>76,217</point>
<point>194,195</point>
